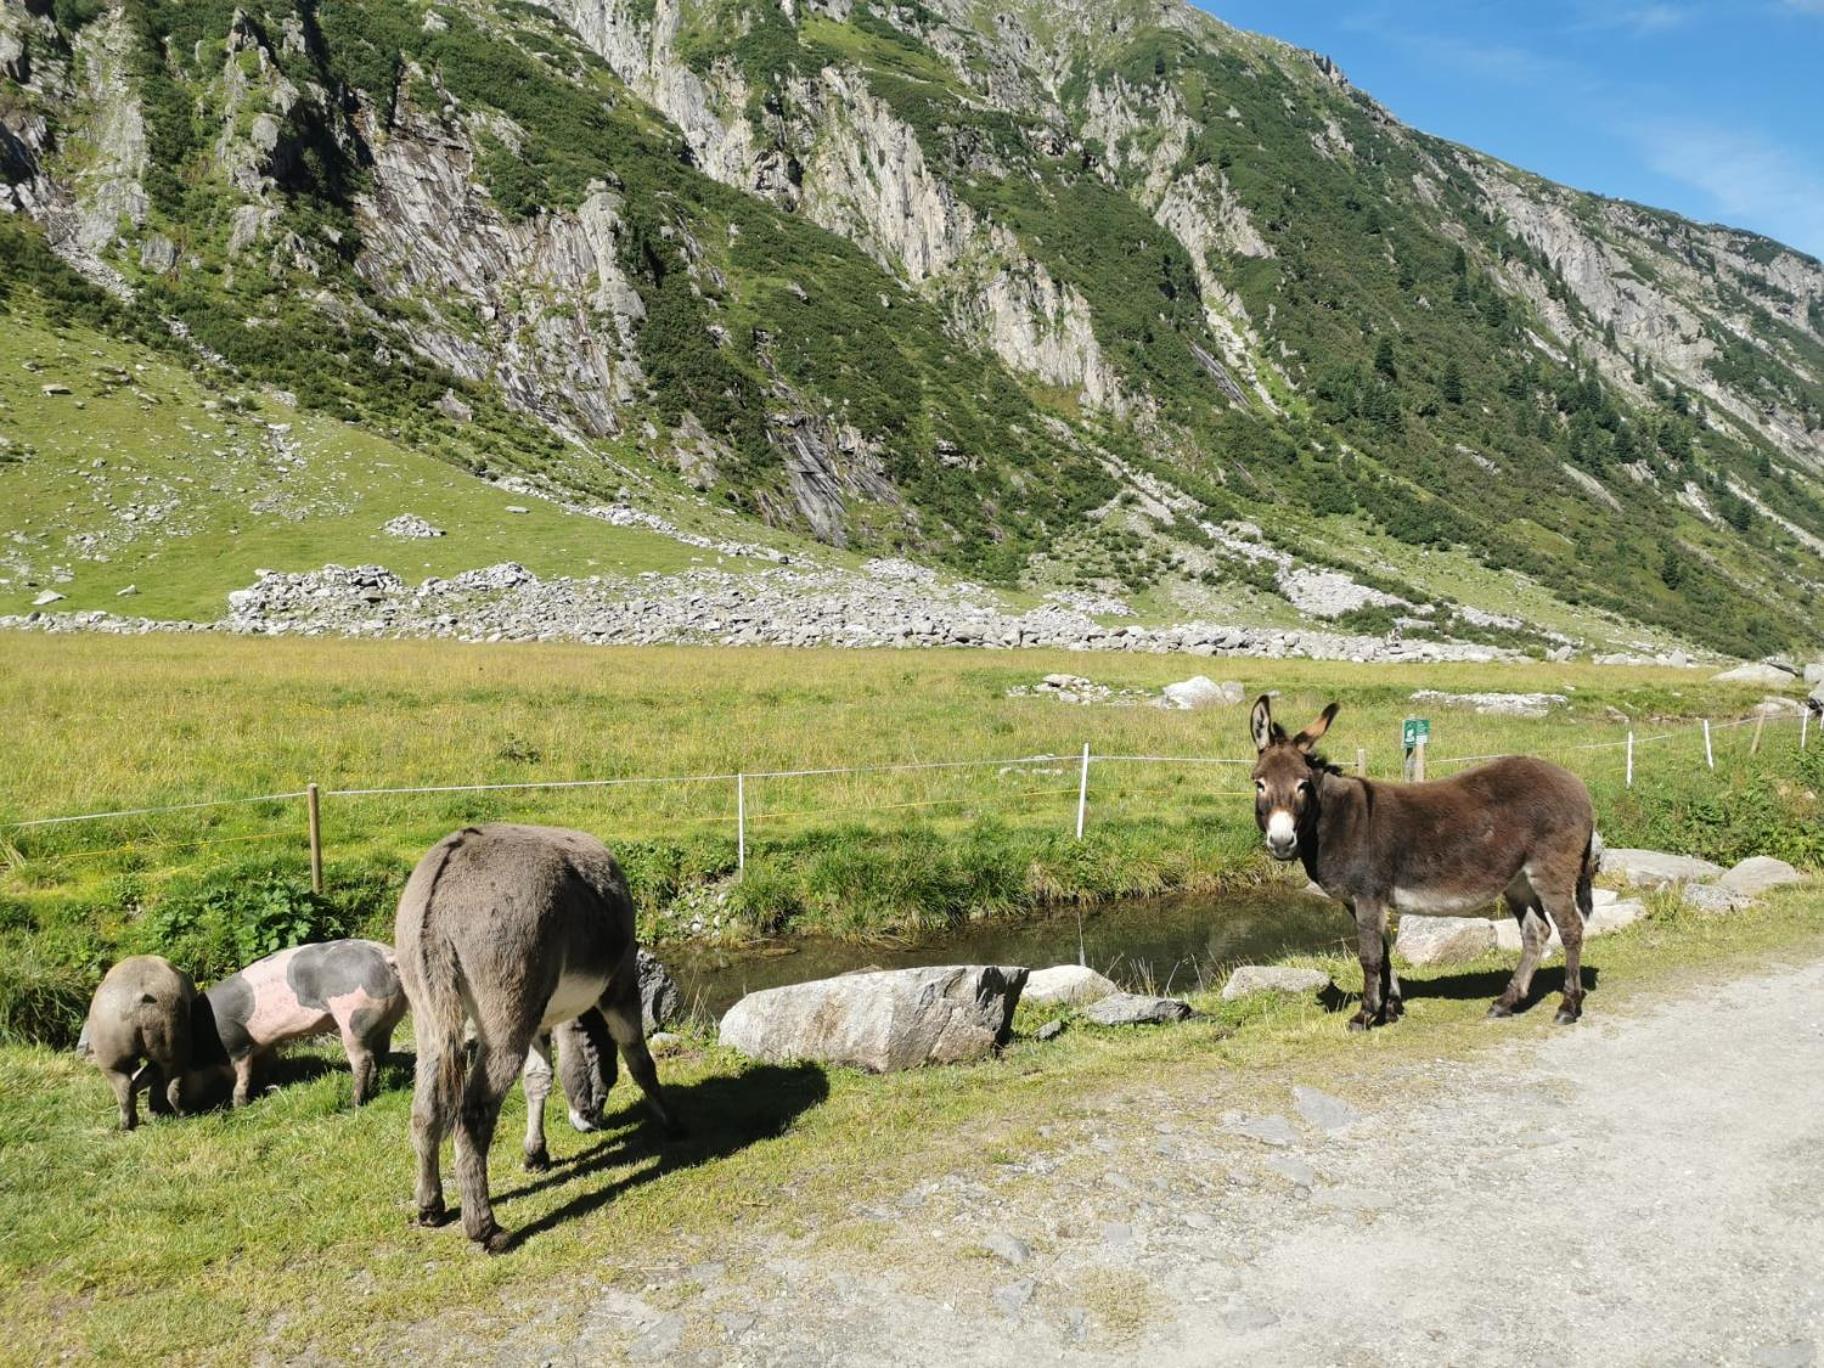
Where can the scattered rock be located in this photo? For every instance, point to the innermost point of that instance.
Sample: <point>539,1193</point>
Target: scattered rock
<point>1273,978</point>
<point>1655,868</point>
<point>662,1043</point>
<point>1051,1030</point>
<point>1293,1169</point>
<point>1443,940</point>
<point>1758,673</point>
<point>1012,1297</point>
<point>127,592</point>
<point>1135,1009</point>
<point>894,1019</point>
<point>1320,1109</point>
<point>1201,692</point>
<point>1008,1248</point>
<point>48,596</point>
<point>1496,704</point>
<point>1067,985</point>
<point>1117,1233</point>
<point>517,508</point>
<point>50,391</point>
<point>1272,1130</point>
<point>410,525</point>
<point>1814,672</point>
<point>1758,874</point>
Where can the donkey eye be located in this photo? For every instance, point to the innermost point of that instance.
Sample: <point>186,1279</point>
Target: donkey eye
<point>1304,786</point>
<point>1260,786</point>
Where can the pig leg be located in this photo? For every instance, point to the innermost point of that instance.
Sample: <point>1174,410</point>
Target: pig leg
<point>361,1065</point>
<point>536,1080</point>
<point>243,1079</point>
<point>124,1085</point>
<point>159,1084</point>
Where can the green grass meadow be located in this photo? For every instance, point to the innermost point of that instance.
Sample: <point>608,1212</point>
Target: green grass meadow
<point>104,724</point>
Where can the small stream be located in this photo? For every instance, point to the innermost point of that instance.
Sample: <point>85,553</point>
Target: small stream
<point>1161,940</point>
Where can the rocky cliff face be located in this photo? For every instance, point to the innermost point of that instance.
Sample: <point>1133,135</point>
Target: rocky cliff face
<point>949,277</point>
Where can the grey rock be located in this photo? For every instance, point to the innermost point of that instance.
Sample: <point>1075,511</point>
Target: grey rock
<point>1199,691</point>
<point>1293,1169</point>
<point>1759,873</point>
<point>1496,704</point>
<point>1007,1248</point>
<point>1713,897</point>
<point>1757,673</point>
<point>1117,1233</point>
<point>410,525</point>
<point>1656,868</point>
<point>1051,1030</point>
<point>1135,1009</point>
<point>660,1340</point>
<point>1269,1130</point>
<point>1067,985</point>
<point>1443,940</point>
<point>660,1000</point>
<point>1272,978</point>
<point>1607,916</point>
<point>895,1019</point>
<point>664,1043</point>
<point>47,597</point>
<point>1012,1297</point>
<point>1320,1109</point>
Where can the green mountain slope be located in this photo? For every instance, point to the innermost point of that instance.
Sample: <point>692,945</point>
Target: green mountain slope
<point>1049,295</point>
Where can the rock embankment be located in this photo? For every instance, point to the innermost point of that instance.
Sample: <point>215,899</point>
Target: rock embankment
<point>782,606</point>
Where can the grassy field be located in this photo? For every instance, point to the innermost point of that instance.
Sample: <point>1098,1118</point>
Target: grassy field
<point>103,724</point>
<point>283,1228</point>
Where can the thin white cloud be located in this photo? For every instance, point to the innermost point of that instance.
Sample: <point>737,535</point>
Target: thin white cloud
<point>1804,6</point>
<point>1642,20</point>
<point>1745,178</point>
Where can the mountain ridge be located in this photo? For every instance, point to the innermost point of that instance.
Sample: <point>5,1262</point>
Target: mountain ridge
<point>1053,295</point>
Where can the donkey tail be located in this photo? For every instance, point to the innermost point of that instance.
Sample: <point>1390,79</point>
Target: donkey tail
<point>1592,861</point>
<point>438,1012</point>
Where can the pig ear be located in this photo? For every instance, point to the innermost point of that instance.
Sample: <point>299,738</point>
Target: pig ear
<point>1314,733</point>
<point>1266,730</point>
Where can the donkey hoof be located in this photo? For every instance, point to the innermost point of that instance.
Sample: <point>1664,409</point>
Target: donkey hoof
<point>1567,1016</point>
<point>494,1241</point>
<point>432,1216</point>
<point>1499,1011</point>
<point>1358,1022</point>
<point>538,1161</point>
<point>1393,1011</point>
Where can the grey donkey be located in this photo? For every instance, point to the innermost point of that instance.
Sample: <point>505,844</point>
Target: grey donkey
<point>520,928</point>
<point>141,1011</point>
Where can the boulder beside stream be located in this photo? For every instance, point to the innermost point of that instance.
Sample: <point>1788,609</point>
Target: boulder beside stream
<point>882,1021</point>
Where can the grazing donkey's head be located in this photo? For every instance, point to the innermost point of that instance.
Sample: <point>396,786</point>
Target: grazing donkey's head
<point>1286,774</point>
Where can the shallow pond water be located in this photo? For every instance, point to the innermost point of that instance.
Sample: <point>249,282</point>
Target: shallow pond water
<point>1138,943</point>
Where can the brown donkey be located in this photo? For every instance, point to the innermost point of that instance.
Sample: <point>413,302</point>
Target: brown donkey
<point>1517,828</point>
<point>520,928</point>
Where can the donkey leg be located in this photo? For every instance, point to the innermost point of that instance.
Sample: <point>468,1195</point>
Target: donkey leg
<point>536,1081</point>
<point>1371,947</point>
<point>1527,910</point>
<point>586,1067</point>
<point>498,1062</point>
<point>433,1112</point>
<point>1393,1003</point>
<point>621,1010</point>
<point>1570,930</point>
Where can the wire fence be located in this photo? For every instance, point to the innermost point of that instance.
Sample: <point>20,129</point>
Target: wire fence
<point>1414,764</point>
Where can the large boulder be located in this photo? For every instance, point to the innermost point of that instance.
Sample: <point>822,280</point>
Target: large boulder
<point>660,1000</point>
<point>1655,868</point>
<point>1758,673</point>
<point>1201,692</point>
<point>1067,985</point>
<point>1604,917</point>
<point>1136,1009</point>
<point>1755,875</point>
<point>883,1021</point>
<point>1814,672</point>
<point>1273,978</point>
<point>1444,940</point>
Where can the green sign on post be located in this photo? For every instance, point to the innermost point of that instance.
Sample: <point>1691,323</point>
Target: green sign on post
<point>1417,730</point>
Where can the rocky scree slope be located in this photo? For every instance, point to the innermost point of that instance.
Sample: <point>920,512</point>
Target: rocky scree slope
<point>1060,296</point>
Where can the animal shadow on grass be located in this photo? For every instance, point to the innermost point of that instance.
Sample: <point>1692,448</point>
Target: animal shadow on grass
<point>725,1113</point>
<point>1548,982</point>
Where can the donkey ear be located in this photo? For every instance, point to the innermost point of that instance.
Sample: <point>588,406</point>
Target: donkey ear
<point>1263,726</point>
<point>1314,733</point>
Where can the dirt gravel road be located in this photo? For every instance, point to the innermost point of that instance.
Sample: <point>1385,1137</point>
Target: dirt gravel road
<point>1641,1189</point>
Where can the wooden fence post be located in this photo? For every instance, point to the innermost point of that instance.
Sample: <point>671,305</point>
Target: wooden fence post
<point>1709,754</point>
<point>1630,783</point>
<point>1754,746</point>
<point>1804,727</point>
<point>1418,762</point>
<point>1361,759</point>
<point>1083,791</point>
<point>316,839</point>
<point>741,824</point>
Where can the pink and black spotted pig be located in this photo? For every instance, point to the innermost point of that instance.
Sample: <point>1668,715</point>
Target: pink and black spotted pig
<point>350,987</point>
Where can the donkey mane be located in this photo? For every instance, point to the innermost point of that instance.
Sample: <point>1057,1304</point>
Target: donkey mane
<point>1322,763</point>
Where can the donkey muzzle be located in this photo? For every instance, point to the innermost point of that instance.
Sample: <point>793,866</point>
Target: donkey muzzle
<point>1282,836</point>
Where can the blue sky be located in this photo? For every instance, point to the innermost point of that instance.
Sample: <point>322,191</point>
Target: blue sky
<point>1712,108</point>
